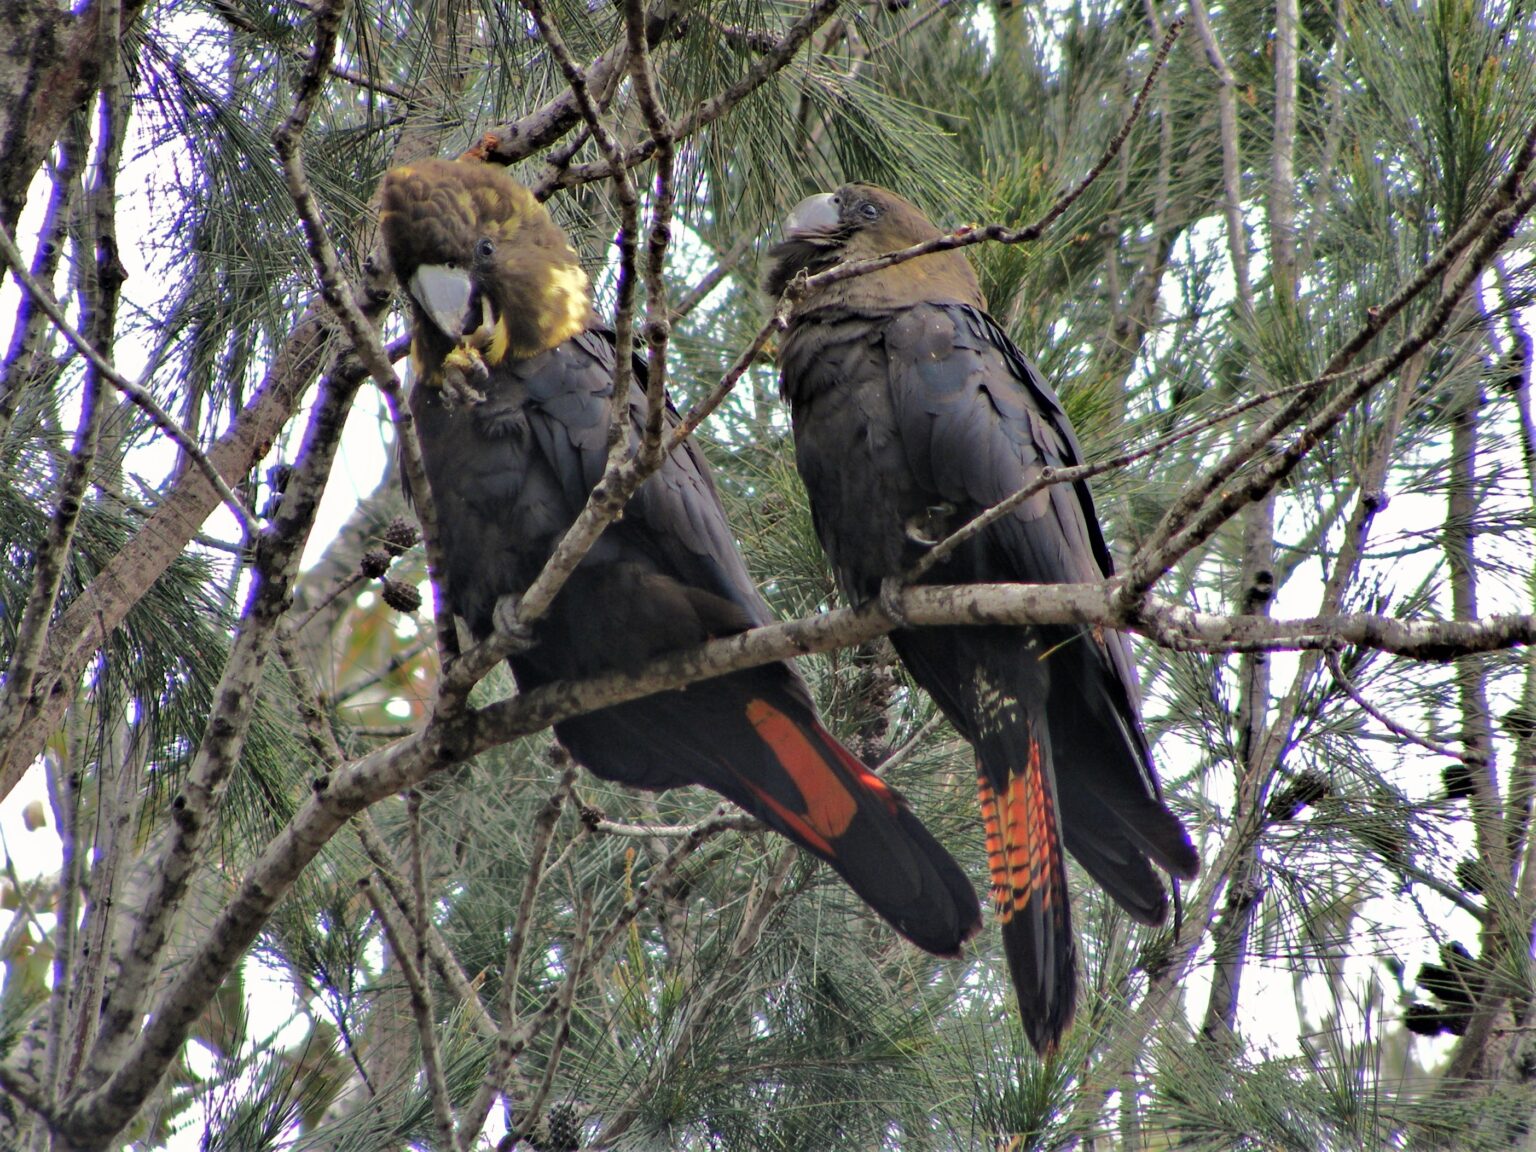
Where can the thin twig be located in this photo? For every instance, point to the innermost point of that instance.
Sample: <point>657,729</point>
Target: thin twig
<point>337,590</point>
<point>901,755</point>
<point>1000,233</point>
<point>237,19</point>
<point>383,672</point>
<point>497,1069</point>
<point>1231,162</point>
<point>1275,466</point>
<point>1491,219</point>
<point>368,834</point>
<point>340,299</point>
<point>1391,725</point>
<point>575,962</point>
<point>137,393</point>
<point>658,327</point>
<point>443,959</point>
<point>612,492</point>
<point>724,818</point>
<point>421,1007</point>
<point>711,279</point>
<point>910,26</point>
<point>705,1000</point>
<point>656,881</point>
<point>50,562</point>
<point>1076,473</point>
<point>702,114</point>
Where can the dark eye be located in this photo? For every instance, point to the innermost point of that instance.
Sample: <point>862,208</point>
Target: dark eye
<point>869,211</point>
<point>485,248</point>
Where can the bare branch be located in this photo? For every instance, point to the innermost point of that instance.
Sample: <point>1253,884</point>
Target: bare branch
<point>576,962</point>
<point>1391,725</point>
<point>712,279</point>
<point>50,561</point>
<point>500,1065</point>
<point>1079,472</point>
<point>443,959</point>
<point>658,327</point>
<point>1231,163</point>
<point>1187,524</point>
<point>725,818</point>
<point>612,492</point>
<point>340,298</point>
<point>196,807</point>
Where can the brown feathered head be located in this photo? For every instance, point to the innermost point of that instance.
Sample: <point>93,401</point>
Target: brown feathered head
<point>856,222</point>
<point>483,262</point>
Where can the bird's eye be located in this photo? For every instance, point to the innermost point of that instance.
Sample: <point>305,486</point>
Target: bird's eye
<point>485,248</point>
<point>869,211</point>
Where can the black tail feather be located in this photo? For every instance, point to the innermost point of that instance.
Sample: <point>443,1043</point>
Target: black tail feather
<point>751,738</point>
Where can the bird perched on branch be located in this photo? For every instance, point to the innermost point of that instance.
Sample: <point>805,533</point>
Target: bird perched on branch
<point>913,413</point>
<point>513,384</point>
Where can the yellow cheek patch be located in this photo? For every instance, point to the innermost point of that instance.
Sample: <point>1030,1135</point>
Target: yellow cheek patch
<point>501,340</point>
<point>559,312</point>
<point>568,300</point>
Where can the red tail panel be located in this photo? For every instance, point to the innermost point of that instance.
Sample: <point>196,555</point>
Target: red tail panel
<point>830,807</point>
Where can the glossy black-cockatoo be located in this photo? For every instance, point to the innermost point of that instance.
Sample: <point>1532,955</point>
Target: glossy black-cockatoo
<point>913,412</point>
<point>513,381</point>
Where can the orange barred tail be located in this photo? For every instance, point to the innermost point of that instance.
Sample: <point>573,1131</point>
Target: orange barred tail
<point>1029,892</point>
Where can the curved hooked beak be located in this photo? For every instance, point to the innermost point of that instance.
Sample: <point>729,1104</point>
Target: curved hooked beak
<point>814,218</point>
<point>448,297</point>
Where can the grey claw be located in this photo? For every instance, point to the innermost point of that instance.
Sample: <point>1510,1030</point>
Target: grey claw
<point>890,600</point>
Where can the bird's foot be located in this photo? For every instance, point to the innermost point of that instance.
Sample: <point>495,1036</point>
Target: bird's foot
<point>890,600</point>
<point>463,368</point>
<point>930,525</point>
<point>510,632</point>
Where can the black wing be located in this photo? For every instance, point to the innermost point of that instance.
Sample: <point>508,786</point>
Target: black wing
<point>977,423</point>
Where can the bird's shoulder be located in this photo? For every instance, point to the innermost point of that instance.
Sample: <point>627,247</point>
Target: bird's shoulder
<point>975,419</point>
<point>675,519</point>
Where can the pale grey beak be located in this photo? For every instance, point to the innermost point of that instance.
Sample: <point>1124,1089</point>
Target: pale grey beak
<point>813,217</point>
<point>445,294</point>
